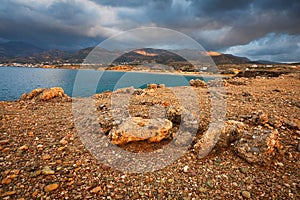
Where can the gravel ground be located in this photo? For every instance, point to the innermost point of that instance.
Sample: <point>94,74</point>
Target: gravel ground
<point>42,156</point>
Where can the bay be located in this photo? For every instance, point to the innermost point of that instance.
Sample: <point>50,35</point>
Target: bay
<point>15,81</point>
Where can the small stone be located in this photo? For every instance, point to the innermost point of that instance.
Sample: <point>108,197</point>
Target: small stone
<point>61,148</point>
<point>23,148</point>
<point>36,173</point>
<point>63,142</point>
<point>47,171</point>
<point>171,180</point>
<point>5,150</point>
<point>244,170</point>
<point>46,157</point>
<point>51,187</point>
<point>31,134</point>
<point>185,168</point>
<point>9,193</point>
<point>6,181</point>
<point>263,118</point>
<point>202,190</point>
<point>152,86</point>
<point>246,194</point>
<point>209,184</point>
<point>3,142</point>
<point>197,83</point>
<point>96,189</point>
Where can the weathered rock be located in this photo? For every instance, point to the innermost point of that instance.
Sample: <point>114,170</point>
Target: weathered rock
<point>152,86</point>
<point>263,118</point>
<point>183,138</point>
<point>231,71</point>
<point>259,145</point>
<point>174,114</point>
<point>161,85</point>
<point>217,83</point>
<point>9,193</point>
<point>246,194</point>
<point>44,94</point>
<point>47,171</point>
<point>138,91</point>
<point>6,181</point>
<point>137,129</point>
<point>96,189</point>
<point>128,90</point>
<point>51,187</point>
<point>32,94</point>
<point>232,131</point>
<point>197,83</point>
<point>23,148</point>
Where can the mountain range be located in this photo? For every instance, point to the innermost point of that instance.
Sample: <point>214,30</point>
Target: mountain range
<point>20,52</point>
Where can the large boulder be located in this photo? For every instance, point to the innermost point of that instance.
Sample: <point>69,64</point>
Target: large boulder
<point>45,94</point>
<point>137,129</point>
<point>219,135</point>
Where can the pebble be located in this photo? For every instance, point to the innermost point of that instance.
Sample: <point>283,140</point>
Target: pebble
<point>51,187</point>
<point>96,189</point>
<point>246,194</point>
<point>47,171</point>
<point>6,181</point>
<point>23,148</point>
<point>209,184</point>
<point>36,173</point>
<point>185,168</point>
<point>63,142</point>
<point>46,157</point>
<point>9,193</point>
<point>202,190</point>
<point>244,170</point>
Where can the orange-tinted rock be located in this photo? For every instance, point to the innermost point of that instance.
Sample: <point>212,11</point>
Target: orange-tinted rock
<point>137,129</point>
<point>45,94</point>
<point>96,189</point>
<point>6,181</point>
<point>52,93</point>
<point>197,83</point>
<point>51,187</point>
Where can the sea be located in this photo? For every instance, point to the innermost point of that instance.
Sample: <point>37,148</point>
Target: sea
<point>15,81</point>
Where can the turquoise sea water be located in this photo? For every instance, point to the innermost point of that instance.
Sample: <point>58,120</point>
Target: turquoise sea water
<point>14,81</point>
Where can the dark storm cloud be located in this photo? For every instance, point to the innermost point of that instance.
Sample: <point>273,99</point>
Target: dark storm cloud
<point>216,24</point>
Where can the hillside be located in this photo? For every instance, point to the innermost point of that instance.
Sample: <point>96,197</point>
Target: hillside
<point>20,52</point>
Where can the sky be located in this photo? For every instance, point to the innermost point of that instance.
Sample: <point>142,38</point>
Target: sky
<point>257,29</point>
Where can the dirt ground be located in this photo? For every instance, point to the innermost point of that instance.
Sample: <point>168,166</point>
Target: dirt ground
<point>42,155</point>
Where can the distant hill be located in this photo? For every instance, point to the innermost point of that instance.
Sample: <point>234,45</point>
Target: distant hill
<point>150,55</point>
<point>18,49</point>
<point>229,59</point>
<point>21,52</point>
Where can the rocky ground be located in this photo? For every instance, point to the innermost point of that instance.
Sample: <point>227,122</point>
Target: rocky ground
<point>43,154</point>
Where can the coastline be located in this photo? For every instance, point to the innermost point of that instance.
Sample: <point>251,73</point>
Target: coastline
<point>44,131</point>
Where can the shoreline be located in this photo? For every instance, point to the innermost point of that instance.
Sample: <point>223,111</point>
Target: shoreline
<point>204,74</point>
<point>45,132</point>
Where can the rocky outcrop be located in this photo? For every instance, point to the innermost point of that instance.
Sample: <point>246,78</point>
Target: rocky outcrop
<point>197,83</point>
<point>137,129</point>
<point>232,131</point>
<point>155,86</point>
<point>258,145</point>
<point>45,94</point>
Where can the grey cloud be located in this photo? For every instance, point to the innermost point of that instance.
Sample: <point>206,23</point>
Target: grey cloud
<point>216,24</point>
